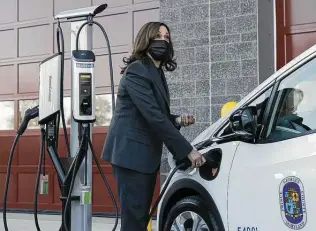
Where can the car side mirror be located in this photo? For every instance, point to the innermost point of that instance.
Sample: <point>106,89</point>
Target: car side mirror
<point>244,122</point>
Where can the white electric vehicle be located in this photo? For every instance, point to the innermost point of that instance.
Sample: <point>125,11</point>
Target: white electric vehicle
<point>266,180</point>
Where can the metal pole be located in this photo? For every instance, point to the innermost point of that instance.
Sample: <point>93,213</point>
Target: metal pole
<point>81,215</point>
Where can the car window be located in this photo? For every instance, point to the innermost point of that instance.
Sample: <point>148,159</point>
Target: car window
<point>294,107</point>
<point>261,103</point>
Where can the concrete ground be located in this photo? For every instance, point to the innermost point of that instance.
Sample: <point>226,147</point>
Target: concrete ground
<point>25,222</point>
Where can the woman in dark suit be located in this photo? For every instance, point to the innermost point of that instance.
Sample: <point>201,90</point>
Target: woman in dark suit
<point>142,122</point>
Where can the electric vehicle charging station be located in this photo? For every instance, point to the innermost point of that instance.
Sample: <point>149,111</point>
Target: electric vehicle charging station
<point>83,107</point>
<point>75,171</point>
<point>85,43</point>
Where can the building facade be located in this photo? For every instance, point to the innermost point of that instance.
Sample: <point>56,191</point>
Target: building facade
<point>224,49</point>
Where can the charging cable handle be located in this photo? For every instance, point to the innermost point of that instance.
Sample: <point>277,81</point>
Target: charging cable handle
<point>212,160</point>
<point>29,114</point>
<point>183,164</point>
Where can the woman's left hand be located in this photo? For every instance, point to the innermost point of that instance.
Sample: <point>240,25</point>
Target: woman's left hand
<point>187,120</point>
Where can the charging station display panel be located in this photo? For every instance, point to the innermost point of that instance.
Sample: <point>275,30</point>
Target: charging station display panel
<point>85,80</point>
<point>85,84</point>
<point>85,76</point>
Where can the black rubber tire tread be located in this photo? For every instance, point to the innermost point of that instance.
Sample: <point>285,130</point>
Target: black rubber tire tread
<point>194,204</point>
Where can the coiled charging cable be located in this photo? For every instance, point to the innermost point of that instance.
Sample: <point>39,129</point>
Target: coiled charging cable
<point>28,115</point>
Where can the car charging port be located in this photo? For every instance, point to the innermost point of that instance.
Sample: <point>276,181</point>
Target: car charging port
<point>213,160</point>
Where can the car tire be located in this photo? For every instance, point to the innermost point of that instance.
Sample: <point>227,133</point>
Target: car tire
<point>191,204</point>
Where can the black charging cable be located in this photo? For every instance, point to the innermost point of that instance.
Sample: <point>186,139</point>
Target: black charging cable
<point>106,183</point>
<point>7,182</point>
<point>181,165</point>
<point>29,114</point>
<point>42,154</point>
<point>83,144</point>
<point>61,50</point>
<point>90,22</point>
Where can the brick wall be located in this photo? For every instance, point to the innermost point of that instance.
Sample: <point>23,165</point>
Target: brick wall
<point>216,48</point>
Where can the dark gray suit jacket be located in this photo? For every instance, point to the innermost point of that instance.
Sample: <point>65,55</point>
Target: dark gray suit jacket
<point>142,121</point>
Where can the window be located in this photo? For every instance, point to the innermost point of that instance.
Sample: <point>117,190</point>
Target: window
<point>7,115</point>
<point>261,103</point>
<point>294,109</point>
<point>103,109</point>
<point>23,106</point>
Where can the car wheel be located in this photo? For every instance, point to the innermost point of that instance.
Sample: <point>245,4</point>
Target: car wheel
<point>190,214</point>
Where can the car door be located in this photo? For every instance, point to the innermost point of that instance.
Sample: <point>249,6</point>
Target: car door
<point>218,187</point>
<point>273,180</point>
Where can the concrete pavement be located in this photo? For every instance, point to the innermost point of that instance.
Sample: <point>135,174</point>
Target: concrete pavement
<point>25,222</point>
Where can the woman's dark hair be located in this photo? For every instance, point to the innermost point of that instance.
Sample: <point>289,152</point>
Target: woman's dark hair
<point>146,34</point>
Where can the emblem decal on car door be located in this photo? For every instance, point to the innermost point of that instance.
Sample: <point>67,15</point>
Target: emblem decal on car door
<point>292,202</point>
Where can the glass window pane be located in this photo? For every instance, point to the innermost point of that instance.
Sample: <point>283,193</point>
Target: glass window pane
<point>23,106</point>
<point>103,110</point>
<point>7,115</point>
<point>294,110</point>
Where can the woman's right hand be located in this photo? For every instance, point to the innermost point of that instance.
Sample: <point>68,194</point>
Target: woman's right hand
<point>196,158</point>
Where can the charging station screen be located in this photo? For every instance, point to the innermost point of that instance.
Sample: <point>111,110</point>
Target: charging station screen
<point>85,84</point>
<point>85,76</point>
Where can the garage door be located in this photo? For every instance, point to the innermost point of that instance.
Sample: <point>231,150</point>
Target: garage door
<point>296,28</point>
<point>27,37</point>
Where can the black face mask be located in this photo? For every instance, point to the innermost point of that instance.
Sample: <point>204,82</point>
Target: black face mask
<point>159,50</point>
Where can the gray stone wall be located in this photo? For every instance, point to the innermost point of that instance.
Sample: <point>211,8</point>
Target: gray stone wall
<point>233,51</point>
<point>216,49</point>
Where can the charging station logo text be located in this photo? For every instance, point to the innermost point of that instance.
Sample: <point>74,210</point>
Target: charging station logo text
<point>50,89</point>
<point>85,65</point>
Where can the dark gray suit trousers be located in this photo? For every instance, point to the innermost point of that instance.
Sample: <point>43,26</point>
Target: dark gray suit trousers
<point>135,191</point>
